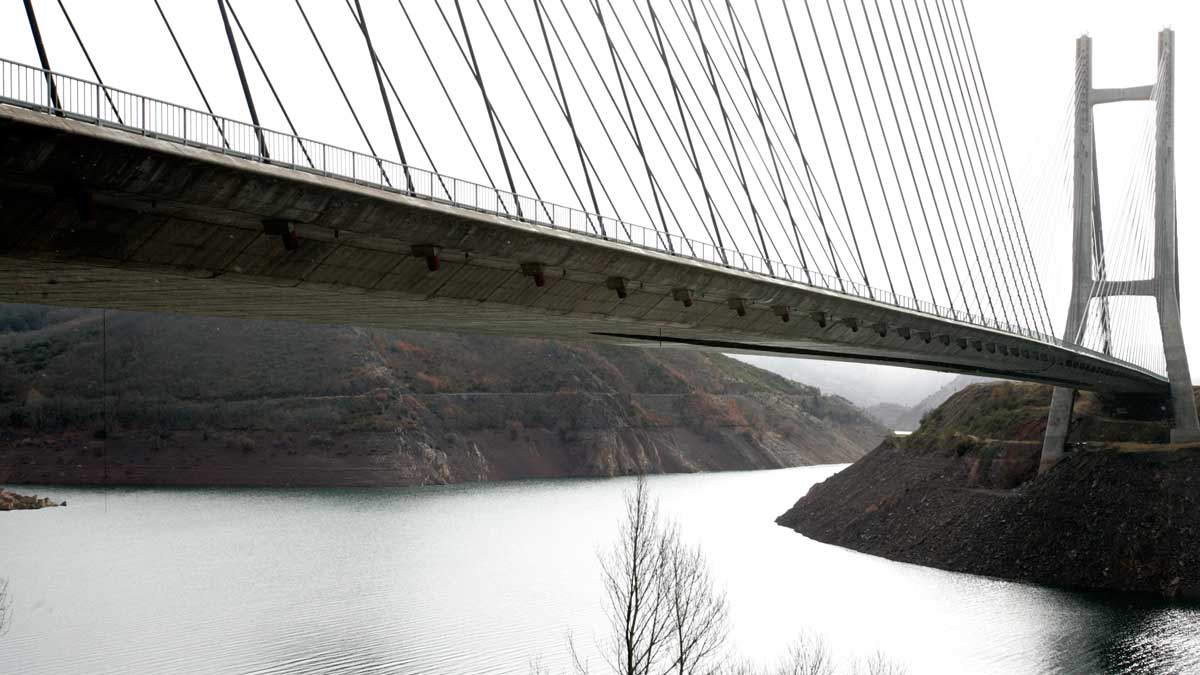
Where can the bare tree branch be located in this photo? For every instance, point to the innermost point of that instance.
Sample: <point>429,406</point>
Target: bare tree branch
<point>579,667</point>
<point>878,664</point>
<point>807,655</point>
<point>5,607</point>
<point>699,613</point>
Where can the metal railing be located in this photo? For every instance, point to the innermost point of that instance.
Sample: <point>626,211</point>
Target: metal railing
<point>29,87</point>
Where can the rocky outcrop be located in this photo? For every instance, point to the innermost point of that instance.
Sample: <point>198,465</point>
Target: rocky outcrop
<point>962,494</point>
<point>11,501</point>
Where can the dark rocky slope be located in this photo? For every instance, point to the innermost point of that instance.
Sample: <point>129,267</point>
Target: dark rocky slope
<point>222,402</point>
<point>1121,512</point>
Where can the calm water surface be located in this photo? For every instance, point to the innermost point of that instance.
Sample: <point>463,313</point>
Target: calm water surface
<point>485,578</point>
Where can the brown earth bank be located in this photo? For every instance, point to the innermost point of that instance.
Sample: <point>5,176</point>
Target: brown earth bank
<point>11,501</point>
<point>1120,513</point>
<point>130,398</point>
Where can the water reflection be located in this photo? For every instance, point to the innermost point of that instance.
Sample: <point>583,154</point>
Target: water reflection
<point>1127,636</point>
<point>485,578</point>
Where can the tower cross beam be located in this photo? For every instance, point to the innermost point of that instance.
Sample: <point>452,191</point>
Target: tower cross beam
<point>1118,94</point>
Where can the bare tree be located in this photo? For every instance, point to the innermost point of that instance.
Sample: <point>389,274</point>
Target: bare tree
<point>636,592</point>
<point>665,613</point>
<point>579,666</point>
<point>808,655</point>
<point>667,617</point>
<point>537,667</point>
<point>739,667</point>
<point>699,614</point>
<point>5,607</point>
<point>878,664</point>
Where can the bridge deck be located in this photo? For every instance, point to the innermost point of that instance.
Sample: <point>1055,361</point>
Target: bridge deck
<point>181,229</point>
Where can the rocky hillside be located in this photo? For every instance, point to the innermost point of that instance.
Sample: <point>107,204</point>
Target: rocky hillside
<point>1120,512</point>
<point>211,401</point>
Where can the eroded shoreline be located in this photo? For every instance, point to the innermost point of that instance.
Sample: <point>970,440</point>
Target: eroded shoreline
<point>1112,517</point>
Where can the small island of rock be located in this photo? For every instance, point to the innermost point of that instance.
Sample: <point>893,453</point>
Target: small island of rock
<point>11,501</point>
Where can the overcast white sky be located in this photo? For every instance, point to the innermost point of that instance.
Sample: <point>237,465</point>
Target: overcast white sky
<point>1026,50</point>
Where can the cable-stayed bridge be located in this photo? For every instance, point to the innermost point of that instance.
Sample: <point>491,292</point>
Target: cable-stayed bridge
<point>822,180</point>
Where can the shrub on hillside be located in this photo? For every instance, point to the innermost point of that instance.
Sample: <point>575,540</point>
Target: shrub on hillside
<point>245,444</point>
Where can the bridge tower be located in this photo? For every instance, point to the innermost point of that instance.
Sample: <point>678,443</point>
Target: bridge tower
<point>1088,241</point>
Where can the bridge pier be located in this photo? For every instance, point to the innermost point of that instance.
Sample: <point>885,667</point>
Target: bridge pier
<point>1058,424</point>
<point>1088,244</point>
<point>1186,428</point>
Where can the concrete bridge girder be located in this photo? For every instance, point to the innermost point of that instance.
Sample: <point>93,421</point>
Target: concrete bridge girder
<point>182,229</point>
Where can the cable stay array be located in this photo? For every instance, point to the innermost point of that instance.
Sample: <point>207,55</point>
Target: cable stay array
<point>847,144</point>
<point>1120,323</point>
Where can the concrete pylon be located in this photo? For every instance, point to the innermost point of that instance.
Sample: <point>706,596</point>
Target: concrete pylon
<point>1166,250</point>
<point>1164,286</point>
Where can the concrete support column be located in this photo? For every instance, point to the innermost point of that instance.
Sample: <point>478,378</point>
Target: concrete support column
<point>1061,404</point>
<point>1166,254</point>
<point>1058,424</point>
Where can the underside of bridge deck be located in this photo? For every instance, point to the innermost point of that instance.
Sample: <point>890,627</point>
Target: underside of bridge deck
<point>92,216</point>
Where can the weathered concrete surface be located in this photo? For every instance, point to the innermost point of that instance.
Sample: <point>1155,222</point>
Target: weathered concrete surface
<point>180,229</point>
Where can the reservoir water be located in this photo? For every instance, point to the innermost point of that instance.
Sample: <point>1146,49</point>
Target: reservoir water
<point>487,578</point>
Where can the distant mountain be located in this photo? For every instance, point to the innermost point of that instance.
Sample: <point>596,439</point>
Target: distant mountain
<point>860,383</point>
<point>908,418</point>
<point>893,415</point>
<point>165,399</point>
